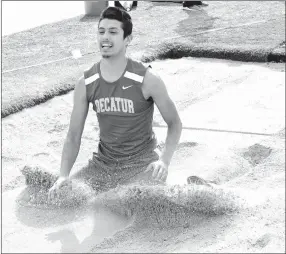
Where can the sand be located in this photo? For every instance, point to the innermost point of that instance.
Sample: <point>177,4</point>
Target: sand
<point>244,212</point>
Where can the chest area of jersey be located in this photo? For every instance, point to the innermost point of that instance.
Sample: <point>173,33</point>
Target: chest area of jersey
<point>119,98</point>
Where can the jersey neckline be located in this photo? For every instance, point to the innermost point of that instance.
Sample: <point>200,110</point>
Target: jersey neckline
<point>122,75</point>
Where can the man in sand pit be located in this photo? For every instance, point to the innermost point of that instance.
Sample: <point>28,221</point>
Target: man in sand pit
<point>122,93</point>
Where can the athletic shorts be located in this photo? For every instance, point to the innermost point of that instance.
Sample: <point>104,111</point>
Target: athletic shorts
<point>102,176</point>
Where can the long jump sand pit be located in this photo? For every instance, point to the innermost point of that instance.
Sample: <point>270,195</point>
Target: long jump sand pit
<point>229,112</point>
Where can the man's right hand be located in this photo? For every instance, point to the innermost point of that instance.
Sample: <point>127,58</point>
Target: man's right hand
<point>63,181</point>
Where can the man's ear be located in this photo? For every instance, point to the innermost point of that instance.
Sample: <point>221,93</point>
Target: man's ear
<point>128,39</point>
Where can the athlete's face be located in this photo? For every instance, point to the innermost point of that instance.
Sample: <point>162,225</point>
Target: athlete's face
<point>110,38</point>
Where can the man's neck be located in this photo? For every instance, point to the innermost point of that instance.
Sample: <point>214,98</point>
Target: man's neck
<point>116,62</point>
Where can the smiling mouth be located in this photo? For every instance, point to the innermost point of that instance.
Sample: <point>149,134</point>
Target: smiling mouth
<point>106,45</point>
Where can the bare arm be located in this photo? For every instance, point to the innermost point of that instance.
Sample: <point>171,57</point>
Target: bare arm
<point>77,121</point>
<point>154,86</point>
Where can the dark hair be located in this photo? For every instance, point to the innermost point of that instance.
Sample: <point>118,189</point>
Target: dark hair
<point>120,15</point>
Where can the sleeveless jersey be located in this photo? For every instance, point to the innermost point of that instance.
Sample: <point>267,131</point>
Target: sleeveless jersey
<point>124,115</point>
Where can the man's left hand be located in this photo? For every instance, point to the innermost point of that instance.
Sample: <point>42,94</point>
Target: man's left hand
<point>159,169</point>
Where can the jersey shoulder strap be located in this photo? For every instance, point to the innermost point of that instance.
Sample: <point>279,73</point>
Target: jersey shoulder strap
<point>136,71</point>
<point>91,78</point>
<point>91,74</point>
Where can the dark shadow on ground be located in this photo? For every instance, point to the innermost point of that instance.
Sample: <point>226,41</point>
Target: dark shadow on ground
<point>162,3</point>
<point>197,21</point>
<point>88,18</point>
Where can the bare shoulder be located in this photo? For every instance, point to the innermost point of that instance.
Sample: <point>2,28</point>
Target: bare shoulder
<point>80,110</point>
<point>151,77</point>
<point>80,83</point>
<point>155,87</point>
<point>153,84</point>
<point>80,90</point>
